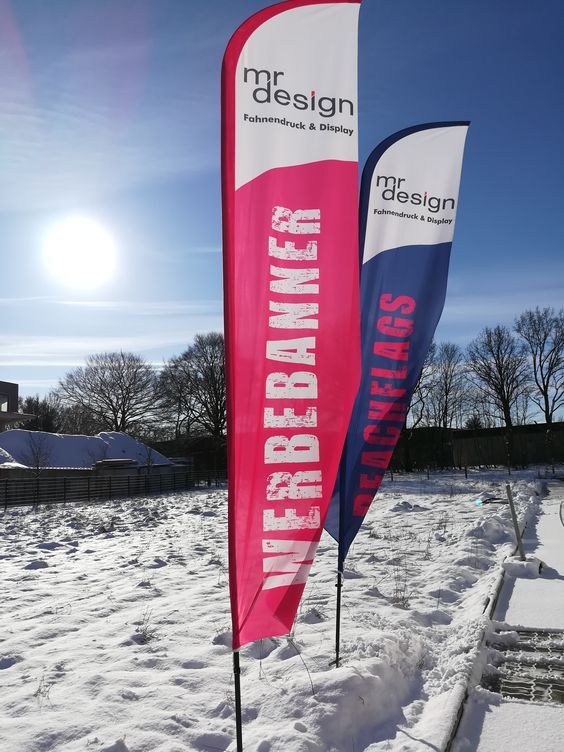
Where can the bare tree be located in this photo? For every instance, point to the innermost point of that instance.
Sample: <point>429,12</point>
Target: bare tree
<point>192,388</point>
<point>38,454</point>
<point>498,363</point>
<point>418,412</point>
<point>447,392</point>
<point>178,390</point>
<point>478,411</point>
<point>208,353</point>
<point>522,408</point>
<point>543,331</point>
<point>76,419</point>
<point>149,458</point>
<point>117,389</point>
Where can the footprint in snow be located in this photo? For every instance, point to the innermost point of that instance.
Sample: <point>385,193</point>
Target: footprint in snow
<point>37,564</point>
<point>352,574</point>
<point>312,616</point>
<point>157,563</point>
<point>223,638</point>
<point>119,746</point>
<point>373,559</point>
<point>193,664</point>
<point>261,648</point>
<point>440,617</point>
<point>206,742</point>
<point>223,710</point>
<point>7,661</point>
<point>128,694</point>
<point>446,596</point>
<point>475,562</point>
<point>286,652</point>
<point>183,720</point>
<point>429,618</point>
<point>374,592</point>
<point>405,506</point>
<point>462,582</point>
<point>402,506</point>
<point>48,545</point>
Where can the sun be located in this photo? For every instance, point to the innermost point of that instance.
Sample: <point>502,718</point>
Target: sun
<point>80,253</point>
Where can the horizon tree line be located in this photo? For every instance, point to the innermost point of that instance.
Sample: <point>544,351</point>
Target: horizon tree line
<point>504,377</point>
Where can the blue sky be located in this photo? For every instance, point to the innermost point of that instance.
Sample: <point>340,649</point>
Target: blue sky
<point>110,109</point>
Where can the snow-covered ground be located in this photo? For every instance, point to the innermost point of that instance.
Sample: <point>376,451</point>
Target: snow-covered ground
<point>115,625</point>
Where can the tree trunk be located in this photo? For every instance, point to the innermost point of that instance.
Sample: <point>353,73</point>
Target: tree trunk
<point>407,460</point>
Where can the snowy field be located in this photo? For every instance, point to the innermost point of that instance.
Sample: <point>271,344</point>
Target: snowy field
<point>114,627</point>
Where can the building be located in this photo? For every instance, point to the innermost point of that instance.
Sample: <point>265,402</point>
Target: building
<point>9,405</point>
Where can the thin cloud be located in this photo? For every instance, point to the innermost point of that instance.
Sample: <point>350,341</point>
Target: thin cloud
<point>30,384</point>
<point>151,308</point>
<point>27,299</point>
<point>26,351</point>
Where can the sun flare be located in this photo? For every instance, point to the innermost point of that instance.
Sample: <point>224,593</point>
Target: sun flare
<point>80,253</point>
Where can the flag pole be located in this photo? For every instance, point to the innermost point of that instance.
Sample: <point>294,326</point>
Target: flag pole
<point>238,714</point>
<point>340,556</point>
<point>339,587</point>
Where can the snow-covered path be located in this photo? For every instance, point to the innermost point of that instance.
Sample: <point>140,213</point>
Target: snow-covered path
<point>547,592</point>
<point>489,723</point>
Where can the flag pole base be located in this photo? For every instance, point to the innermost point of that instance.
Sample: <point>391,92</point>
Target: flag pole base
<point>238,714</point>
<point>339,586</point>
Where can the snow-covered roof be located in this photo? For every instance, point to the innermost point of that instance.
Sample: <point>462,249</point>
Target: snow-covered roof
<point>41,449</point>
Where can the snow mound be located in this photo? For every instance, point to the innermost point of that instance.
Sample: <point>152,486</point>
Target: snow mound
<point>491,529</point>
<point>6,459</point>
<point>119,746</point>
<point>530,568</point>
<point>37,448</point>
<point>405,506</point>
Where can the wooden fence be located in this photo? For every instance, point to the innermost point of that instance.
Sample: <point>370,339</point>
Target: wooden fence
<point>88,487</point>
